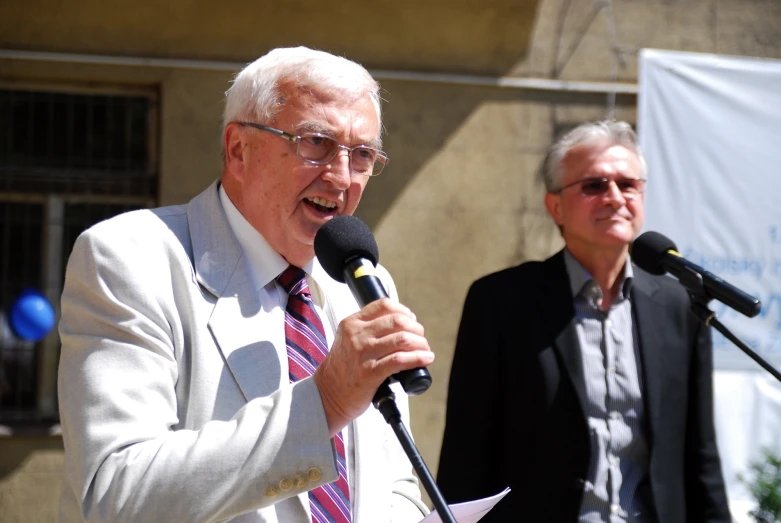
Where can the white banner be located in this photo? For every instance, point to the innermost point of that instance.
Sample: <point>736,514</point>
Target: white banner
<point>710,127</point>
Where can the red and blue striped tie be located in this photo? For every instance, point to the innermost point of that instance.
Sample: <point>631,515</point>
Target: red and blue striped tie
<point>306,349</point>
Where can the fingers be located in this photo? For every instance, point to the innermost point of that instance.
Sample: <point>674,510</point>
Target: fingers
<point>394,323</point>
<point>385,317</point>
<point>383,307</point>
<point>381,330</point>
<point>381,339</point>
<point>404,359</point>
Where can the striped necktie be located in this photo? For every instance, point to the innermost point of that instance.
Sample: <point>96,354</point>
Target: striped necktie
<point>306,349</point>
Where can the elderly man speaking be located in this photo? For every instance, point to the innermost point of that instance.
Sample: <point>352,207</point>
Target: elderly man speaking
<point>211,370</point>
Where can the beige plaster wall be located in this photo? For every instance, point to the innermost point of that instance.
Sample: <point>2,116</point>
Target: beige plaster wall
<point>460,197</point>
<point>30,478</point>
<point>448,35</point>
<point>464,200</point>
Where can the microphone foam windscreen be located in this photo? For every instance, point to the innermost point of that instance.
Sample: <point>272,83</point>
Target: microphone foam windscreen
<point>340,240</point>
<point>648,251</point>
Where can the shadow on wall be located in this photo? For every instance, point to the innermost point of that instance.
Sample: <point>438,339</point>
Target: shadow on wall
<point>484,37</point>
<point>420,119</point>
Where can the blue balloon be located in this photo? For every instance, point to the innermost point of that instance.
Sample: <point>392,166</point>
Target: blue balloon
<point>32,316</point>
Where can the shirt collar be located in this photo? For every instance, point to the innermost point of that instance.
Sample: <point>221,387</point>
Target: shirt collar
<point>264,263</point>
<point>583,284</point>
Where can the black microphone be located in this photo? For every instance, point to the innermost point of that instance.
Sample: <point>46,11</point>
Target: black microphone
<point>348,252</point>
<point>657,254</point>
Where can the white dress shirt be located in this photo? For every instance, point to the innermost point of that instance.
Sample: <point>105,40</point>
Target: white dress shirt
<point>265,264</point>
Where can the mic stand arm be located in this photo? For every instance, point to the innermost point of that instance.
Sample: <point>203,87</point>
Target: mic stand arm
<point>699,301</point>
<point>384,401</point>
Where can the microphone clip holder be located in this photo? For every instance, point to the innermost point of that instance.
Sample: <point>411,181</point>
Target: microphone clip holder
<point>698,295</point>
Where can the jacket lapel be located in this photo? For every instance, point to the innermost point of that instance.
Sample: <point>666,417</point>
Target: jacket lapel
<point>222,271</point>
<point>568,348</point>
<point>557,292</point>
<point>646,318</point>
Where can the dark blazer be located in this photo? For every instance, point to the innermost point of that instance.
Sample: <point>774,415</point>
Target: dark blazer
<point>515,409</point>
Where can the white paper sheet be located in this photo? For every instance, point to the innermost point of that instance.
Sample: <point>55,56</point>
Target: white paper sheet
<point>469,511</point>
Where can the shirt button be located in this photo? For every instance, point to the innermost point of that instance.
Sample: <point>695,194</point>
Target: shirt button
<point>615,415</point>
<point>612,459</point>
<point>608,323</point>
<point>611,369</point>
<point>614,508</point>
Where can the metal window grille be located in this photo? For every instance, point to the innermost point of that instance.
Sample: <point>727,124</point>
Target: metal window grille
<point>53,142</point>
<point>67,161</point>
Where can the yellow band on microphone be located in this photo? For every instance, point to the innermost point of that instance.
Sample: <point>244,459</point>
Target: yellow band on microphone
<point>367,269</point>
<point>674,253</point>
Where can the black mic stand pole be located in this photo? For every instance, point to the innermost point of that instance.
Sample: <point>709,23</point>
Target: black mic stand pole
<point>699,300</point>
<point>384,401</point>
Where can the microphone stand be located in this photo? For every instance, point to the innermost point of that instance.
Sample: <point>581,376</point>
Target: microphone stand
<point>692,280</point>
<point>414,382</point>
<point>384,401</point>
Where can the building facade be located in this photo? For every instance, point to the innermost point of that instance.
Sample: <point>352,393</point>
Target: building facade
<point>107,107</point>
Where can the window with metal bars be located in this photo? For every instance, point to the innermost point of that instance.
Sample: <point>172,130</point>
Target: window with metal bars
<point>67,161</point>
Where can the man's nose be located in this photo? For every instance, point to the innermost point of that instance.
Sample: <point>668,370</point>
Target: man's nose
<point>338,170</point>
<point>614,196</point>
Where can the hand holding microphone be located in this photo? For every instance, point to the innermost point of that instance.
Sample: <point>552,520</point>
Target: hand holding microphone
<point>384,334</point>
<point>382,341</point>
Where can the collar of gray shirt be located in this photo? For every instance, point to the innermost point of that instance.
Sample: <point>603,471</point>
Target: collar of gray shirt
<point>583,284</point>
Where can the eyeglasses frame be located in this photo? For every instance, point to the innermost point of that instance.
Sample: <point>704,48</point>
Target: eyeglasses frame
<point>296,139</point>
<point>604,179</point>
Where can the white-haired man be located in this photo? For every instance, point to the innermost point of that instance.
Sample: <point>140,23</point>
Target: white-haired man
<point>581,381</point>
<point>190,333</point>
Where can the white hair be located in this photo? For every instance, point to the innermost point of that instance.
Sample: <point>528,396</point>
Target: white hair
<point>610,131</point>
<point>255,94</point>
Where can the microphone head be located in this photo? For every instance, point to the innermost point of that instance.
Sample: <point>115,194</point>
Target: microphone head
<point>649,249</point>
<point>342,239</point>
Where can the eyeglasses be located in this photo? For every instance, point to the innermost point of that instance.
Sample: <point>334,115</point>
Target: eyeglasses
<point>320,149</point>
<point>629,187</point>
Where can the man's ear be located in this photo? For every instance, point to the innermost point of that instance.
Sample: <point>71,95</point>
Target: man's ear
<point>554,207</point>
<point>234,144</point>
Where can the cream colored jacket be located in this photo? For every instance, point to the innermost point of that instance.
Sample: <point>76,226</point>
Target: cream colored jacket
<point>169,386</point>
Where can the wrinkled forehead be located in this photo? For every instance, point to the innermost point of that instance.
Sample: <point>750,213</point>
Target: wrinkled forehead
<point>309,109</point>
<point>302,97</point>
<point>595,157</point>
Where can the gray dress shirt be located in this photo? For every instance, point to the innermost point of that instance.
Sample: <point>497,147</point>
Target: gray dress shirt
<point>611,366</point>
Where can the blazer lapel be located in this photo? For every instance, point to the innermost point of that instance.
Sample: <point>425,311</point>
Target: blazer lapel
<point>568,347</point>
<point>557,292</point>
<point>234,322</point>
<point>245,337</point>
<point>646,317</point>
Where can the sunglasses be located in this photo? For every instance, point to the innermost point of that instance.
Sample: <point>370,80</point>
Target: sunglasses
<point>628,187</point>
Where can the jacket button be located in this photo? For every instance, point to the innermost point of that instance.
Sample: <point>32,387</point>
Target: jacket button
<point>272,491</point>
<point>285,484</point>
<point>314,474</point>
<point>299,480</point>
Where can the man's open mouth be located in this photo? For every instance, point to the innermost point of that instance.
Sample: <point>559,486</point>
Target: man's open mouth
<point>321,205</point>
